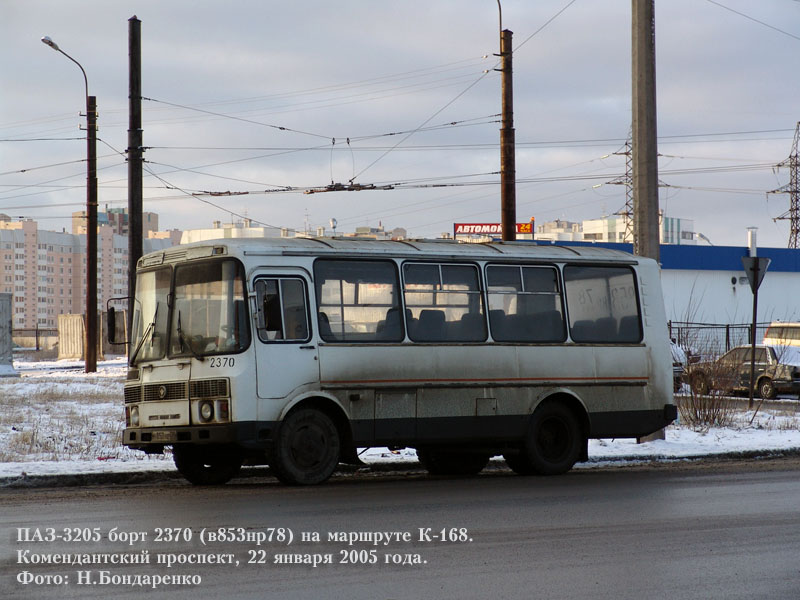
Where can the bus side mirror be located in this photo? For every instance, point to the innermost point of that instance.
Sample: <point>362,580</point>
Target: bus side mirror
<point>111,325</point>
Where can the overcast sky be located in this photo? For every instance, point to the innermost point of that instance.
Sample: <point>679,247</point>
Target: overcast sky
<point>258,96</point>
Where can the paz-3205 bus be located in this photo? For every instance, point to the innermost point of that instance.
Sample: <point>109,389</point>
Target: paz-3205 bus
<point>297,352</point>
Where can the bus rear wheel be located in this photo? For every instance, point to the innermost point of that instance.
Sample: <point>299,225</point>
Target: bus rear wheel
<point>553,443</point>
<point>451,462</point>
<point>206,465</point>
<point>307,448</point>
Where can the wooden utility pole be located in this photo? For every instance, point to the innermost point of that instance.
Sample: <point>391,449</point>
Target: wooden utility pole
<point>91,235</point>
<point>645,146</point>
<point>508,170</point>
<point>134,157</point>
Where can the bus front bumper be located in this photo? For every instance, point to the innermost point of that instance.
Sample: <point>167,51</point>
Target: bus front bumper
<point>249,435</point>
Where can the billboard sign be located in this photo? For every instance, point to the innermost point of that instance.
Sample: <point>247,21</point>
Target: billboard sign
<point>489,228</point>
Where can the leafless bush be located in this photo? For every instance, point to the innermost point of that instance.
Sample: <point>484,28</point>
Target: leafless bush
<point>701,412</point>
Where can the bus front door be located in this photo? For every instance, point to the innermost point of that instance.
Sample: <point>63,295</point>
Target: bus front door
<point>286,353</point>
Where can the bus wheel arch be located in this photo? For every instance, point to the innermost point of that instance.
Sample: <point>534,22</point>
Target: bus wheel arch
<point>311,440</point>
<point>556,438</point>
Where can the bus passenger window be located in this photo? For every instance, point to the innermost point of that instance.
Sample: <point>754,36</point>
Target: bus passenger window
<point>445,303</point>
<point>525,304</point>
<point>358,301</point>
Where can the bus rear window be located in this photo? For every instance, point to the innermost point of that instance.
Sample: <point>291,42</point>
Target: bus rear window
<point>603,304</point>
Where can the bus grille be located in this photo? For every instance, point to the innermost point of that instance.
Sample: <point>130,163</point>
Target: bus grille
<point>209,388</point>
<point>203,388</point>
<point>165,391</point>
<point>133,394</point>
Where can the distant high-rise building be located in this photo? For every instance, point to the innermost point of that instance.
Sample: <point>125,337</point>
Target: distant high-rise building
<point>45,271</point>
<point>117,219</point>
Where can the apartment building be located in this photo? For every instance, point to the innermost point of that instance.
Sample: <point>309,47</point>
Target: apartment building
<point>117,219</point>
<point>45,271</point>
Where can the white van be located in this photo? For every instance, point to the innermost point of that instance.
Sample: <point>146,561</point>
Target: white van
<point>781,333</point>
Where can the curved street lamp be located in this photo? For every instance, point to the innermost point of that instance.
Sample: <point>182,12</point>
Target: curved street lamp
<point>91,217</point>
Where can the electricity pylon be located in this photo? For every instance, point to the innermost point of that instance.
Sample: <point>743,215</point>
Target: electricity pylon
<point>793,189</point>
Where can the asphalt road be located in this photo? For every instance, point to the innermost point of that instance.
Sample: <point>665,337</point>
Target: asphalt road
<point>710,530</point>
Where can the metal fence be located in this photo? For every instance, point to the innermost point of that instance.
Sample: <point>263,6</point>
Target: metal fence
<point>713,339</point>
<point>35,338</point>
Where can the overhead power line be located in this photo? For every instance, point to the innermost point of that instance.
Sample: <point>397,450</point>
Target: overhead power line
<point>550,20</point>
<point>749,18</point>
<point>235,118</point>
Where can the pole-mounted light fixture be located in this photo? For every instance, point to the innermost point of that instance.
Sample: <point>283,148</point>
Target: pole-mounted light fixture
<point>91,216</point>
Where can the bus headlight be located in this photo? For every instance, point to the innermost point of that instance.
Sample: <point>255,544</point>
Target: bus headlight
<point>206,411</point>
<point>135,416</point>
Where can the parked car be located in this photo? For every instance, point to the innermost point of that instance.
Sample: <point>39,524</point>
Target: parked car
<point>678,366</point>
<point>773,374</point>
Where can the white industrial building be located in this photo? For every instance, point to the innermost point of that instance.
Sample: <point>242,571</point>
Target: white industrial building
<point>708,284</point>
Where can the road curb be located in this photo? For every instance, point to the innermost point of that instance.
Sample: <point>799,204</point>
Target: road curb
<point>410,467</point>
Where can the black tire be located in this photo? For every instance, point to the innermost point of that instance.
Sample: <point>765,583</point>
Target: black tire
<point>451,462</point>
<point>207,465</point>
<point>766,389</point>
<point>307,448</point>
<point>699,384</point>
<point>554,441</point>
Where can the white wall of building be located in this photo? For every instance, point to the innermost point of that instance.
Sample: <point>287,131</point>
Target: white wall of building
<point>711,297</point>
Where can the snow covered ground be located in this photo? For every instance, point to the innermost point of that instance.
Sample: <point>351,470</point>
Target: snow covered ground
<point>57,420</point>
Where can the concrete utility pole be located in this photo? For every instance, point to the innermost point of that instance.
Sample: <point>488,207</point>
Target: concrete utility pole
<point>134,157</point>
<point>508,170</point>
<point>645,145</point>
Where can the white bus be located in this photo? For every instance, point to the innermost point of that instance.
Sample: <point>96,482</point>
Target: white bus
<point>298,352</point>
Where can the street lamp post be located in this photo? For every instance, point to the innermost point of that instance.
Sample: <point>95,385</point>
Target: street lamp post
<point>91,217</point>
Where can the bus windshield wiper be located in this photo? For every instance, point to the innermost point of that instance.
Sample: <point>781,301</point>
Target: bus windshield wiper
<point>186,342</point>
<point>147,333</point>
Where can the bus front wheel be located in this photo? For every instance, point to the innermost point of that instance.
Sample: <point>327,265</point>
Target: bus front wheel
<point>206,465</point>
<point>307,448</point>
<point>553,443</point>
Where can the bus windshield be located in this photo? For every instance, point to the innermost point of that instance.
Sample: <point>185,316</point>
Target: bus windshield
<point>208,309</point>
<point>205,313</point>
<point>149,333</point>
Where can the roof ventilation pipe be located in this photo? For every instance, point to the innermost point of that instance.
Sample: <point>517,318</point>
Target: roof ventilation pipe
<point>751,241</point>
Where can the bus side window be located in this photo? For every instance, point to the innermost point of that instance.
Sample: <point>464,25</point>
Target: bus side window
<point>525,304</point>
<point>603,304</point>
<point>446,302</point>
<point>282,314</point>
